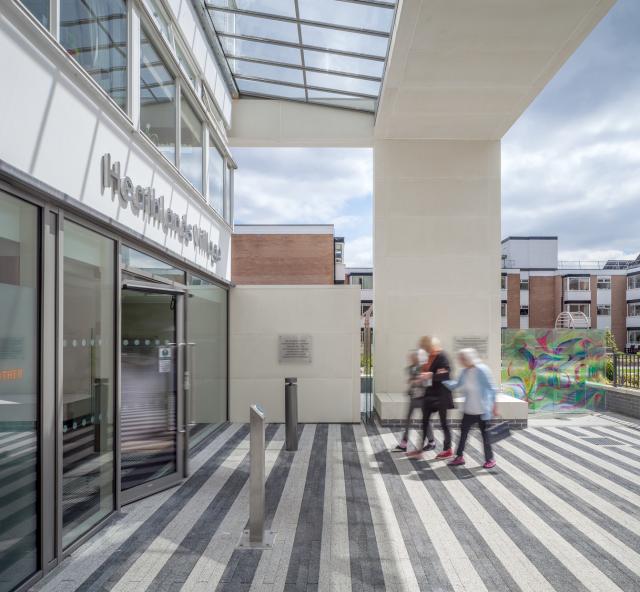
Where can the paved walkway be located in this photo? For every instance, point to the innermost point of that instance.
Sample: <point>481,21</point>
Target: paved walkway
<point>560,512</point>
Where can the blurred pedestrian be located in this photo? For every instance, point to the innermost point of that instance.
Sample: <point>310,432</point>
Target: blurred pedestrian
<point>437,398</point>
<point>479,403</point>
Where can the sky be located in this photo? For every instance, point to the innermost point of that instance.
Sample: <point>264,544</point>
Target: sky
<point>570,164</point>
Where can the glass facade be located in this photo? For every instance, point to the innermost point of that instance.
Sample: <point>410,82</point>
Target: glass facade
<point>41,9</point>
<point>95,33</point>
<point>157,99</point>
<point>190,145</point>
<point>19,385</point>
<point>216,178</point>
<point>207,330</point>
<point>87,421</point>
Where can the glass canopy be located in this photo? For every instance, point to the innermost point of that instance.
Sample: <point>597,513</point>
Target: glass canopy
<point>329,52</point>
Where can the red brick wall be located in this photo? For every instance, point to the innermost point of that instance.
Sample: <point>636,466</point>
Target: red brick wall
<point>544,302</point>
<point>619,309</point>
<point>513,301</point>
<point>282,259</point>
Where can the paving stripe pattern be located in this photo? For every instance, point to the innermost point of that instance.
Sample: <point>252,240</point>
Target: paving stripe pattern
<point>556,514</point>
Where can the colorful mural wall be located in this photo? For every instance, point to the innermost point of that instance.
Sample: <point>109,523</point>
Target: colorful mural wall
<point>553,369</point>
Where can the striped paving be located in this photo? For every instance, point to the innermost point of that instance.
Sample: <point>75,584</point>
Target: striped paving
<point>560,512</point>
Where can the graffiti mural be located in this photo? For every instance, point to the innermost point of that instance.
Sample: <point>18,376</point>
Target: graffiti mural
<point>554,369</point>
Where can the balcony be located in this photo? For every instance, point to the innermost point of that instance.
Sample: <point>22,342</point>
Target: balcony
<point>633,322</point>
<point>633,294</point>
<point>579,295</point>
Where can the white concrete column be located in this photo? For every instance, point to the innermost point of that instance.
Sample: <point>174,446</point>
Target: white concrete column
<point>436,248</point>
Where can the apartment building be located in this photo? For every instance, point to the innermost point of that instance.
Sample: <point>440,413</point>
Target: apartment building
<point>536,287</point>
<point>363,276</point>
<point>287,254</point>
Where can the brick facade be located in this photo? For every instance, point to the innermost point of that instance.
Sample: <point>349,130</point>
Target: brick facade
<point>284,259</point>
<point>544,301</point>
<point>619,310</point>
<point>513,300</point>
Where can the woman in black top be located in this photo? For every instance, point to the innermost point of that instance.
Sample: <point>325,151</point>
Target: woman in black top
<point>438,398</point>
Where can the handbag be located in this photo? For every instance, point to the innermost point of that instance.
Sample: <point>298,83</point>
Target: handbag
<point>498,432</point>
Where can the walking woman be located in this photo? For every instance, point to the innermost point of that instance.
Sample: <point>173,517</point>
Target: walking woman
<point>479,404</point>
<point>437,398</point>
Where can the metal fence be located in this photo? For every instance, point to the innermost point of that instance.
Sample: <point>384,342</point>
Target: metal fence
<point>626,370</point>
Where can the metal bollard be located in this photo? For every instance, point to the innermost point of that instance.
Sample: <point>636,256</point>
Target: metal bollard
<point>255,537</point>
<point>291,412</point>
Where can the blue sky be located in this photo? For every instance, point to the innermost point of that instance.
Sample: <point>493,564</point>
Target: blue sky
<point>571,164</point>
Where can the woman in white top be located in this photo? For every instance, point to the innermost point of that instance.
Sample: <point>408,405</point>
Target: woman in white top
<point>479,404</point>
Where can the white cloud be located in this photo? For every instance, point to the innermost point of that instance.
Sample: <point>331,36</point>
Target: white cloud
<point>359,252</point>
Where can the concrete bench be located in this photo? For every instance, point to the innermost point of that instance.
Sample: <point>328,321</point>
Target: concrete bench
<point>391,410</point>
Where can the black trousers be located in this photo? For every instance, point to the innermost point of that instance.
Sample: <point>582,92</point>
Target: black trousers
<point>427,411</point>
<point>467,422</point>
<point>416,403</point>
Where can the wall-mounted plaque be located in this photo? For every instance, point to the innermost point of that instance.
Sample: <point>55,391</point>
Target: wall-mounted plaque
<point>478,342</point>
<point>294,349</point>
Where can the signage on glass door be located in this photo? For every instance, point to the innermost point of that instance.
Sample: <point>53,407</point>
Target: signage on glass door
<point>143,200</point>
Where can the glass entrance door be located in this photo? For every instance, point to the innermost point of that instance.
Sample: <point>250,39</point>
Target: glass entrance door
<point>152,409</point>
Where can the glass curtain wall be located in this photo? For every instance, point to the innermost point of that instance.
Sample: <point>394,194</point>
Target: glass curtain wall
<point>94,32</point>
<point>207,331</point>
<point>88,381</point>
<point>41,9</point>
<point>157,99</point>
<point>19,401</point>
<point>190,145</point>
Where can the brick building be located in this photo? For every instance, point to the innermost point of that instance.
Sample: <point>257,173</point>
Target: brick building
<point>536,287</point>
<point>291,254</point>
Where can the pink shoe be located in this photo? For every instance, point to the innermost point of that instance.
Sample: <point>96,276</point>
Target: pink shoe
<point>489,464</point>
<point>458,460</point>
<point>445,453</point>
<point>415,454</point>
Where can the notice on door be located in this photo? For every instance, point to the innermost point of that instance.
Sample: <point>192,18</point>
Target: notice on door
<point>165,357</point>
<point>294,349</point>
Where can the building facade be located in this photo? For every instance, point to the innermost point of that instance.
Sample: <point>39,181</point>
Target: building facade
<point>286,254</point>
<point>536,287</point>
<point>363,277</point>
<point>116,205</point>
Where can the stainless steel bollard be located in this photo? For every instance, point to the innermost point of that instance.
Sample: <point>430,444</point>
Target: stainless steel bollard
<point>255,537</point>
<point>256,475</point>
<point>291,412</point>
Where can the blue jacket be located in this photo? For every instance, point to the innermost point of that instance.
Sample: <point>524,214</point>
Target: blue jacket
<point>487,386</point>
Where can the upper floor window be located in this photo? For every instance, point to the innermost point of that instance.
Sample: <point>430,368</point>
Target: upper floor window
<point>216,177</point>
<point>157,99</point>
<point>190,144</point>
<point>633,309</point>
<point>95,33</point>
<point>579,283</point>
<point>503,282</point>
<point>633,336</point>
<point>41,9</point>
<point>604,310</point>
<point>364,307</point>
<point>503,309</point>
<point>339,252</point>
<point>633,282</point>
<point>604,283</point>
<point>578,307</point>
<point>365,281</point>
<point>524,283</point>
<point>524,311</point>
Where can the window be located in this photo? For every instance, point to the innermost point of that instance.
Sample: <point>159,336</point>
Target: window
<point>186,67</point>
<point>633,336</point>
<point>157,99</point>
<point>216,177</point>
<point>88,410</point>
<point>41,9</point>
<point>339,252</point>
<point>604,310</point>
<point>135,261</point>
<point>578,283</point>
<point>190,144</point>
<point>503,309</point>
<point>604,283</point>
<point>578,307</point>
<point>633,309</point>
<point>95,33</point>
<point>633,282</point>
<point>365,281</point>
<point>228,193</point>
<point>364,307</point>
<point>524,311</point>
<point>19,390</point>
<point>524,283</point>
<point>162,22</point>
<point>503,282</point>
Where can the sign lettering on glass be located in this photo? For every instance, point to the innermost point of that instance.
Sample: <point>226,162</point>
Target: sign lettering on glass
<point>294,349</point>
<point>478,342</point>
<point>143,199</point>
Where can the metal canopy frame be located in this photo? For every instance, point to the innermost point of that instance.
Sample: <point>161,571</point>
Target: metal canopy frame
<point>266,85</point>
